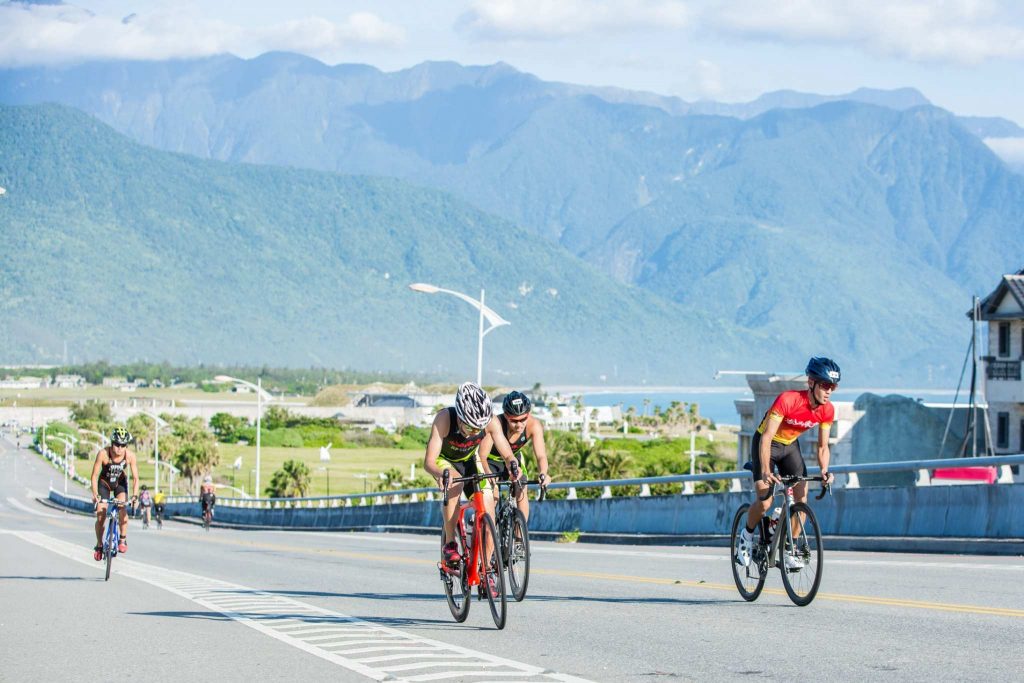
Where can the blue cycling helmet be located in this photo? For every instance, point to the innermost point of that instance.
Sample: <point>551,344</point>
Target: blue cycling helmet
<point>823,369</point>
<point>516,403</point>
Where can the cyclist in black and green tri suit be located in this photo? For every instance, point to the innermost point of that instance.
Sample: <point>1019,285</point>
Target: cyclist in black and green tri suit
<point>454,443</point>
<point>519,428</point>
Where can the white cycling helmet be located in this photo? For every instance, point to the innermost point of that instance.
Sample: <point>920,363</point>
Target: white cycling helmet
<point>473,406</point>
<point>207,479</point>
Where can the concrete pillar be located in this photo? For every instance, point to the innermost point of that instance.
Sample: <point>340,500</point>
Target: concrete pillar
<point>362,501</point>
<point>1005,475</point>
<point>572,493</point>
<point>852,481</point>
<point>687,488</point>
<point>645,490</point>
<point>430,496</point>
<point>924,478</point>
<point>348,502</point>
<point>735,486</point>
<point>606,492</point>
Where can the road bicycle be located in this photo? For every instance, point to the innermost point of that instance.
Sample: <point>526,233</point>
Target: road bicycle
<point>515,538</point>
<point>475,565</point>
<point>158,514</point>
<point>207,515</point>
<point>794,535</point>
<point>112,537</point>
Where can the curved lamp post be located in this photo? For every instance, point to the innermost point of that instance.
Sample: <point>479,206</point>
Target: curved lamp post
<point>261,396</point>
<point>493,319</point>
<point>158,424</point>
<point>69,446</point>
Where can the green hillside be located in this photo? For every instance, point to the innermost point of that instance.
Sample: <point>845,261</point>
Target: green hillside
<point>128,252</point>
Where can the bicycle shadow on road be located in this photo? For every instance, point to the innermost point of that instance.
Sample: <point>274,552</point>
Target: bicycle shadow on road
<point>312,619</point>
<point>630,601</point>
<point>52,578</point>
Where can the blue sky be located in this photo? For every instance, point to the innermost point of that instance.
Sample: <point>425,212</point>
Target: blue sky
<point>962,54</point>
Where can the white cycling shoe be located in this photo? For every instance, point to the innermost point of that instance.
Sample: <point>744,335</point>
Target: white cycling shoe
<point>793,562</point>
<point>744,546</point>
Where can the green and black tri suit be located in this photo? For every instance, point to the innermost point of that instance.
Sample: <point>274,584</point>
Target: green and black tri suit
<point>461,453</point>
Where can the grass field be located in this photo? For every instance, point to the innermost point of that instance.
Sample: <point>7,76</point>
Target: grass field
<point>345,464</point>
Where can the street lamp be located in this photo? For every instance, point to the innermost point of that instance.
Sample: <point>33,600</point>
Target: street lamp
<point>327,469</point>
<point>261,396</point>
<point>69,445</point>
<point>104,441</point>
<point>493,318</point>
<point>158,424</point>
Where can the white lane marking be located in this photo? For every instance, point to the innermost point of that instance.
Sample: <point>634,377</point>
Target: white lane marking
<point>267,619</point>
<point>16,503</point>
<point>387,538</point>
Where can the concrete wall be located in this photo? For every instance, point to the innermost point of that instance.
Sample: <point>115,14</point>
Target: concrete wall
<point>978,511</point>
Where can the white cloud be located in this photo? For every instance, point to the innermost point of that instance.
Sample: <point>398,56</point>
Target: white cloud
<point>45,34</point>
<point>1010,150</point>
<point>553,19</point>
<point>961,31</point>
<point>707,78</point>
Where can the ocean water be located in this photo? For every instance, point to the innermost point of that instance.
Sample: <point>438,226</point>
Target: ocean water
<point>718,403</point>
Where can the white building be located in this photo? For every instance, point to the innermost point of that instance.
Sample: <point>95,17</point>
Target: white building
<point>68,381</point>
<point>1003,310</point>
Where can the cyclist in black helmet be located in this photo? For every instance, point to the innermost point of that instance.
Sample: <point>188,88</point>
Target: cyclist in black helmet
<point>519,428</point>
<point>454,443</point>
<point>775,445</point>
<point>109,475</point>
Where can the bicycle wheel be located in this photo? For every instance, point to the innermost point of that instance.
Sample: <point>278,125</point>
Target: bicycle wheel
<point>491,566</point>
<point>456,591</point>
<point>750,579</point>
<point>517,555</point>
<point>803,578</point>
<point>206,521</point>
<point>109,547</point>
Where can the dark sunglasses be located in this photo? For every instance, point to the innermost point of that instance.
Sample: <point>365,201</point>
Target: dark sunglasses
<point>827,386</point>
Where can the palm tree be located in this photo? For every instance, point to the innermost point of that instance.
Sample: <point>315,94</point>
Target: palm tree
<point>613,465</point>
<point>291,481</point>
<point>389,478</point>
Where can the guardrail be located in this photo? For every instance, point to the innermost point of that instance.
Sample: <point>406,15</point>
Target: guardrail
<point>922,467</point>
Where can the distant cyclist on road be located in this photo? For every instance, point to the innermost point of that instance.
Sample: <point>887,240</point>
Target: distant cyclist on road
<point>207,496</point>
<point>519,428</point>
<point>454,443</point>
<point>775,445</point>
<point>145,504</point>
<point>159,499</point>
<point>109,475</point>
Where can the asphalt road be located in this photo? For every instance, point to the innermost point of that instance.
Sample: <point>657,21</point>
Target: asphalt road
<point>261,605</point>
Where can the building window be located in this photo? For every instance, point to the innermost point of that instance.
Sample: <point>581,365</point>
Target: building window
<point>1004,339</point>
<point>1003,430</point>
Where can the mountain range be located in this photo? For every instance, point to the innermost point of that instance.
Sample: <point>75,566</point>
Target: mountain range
<point>857,225</point>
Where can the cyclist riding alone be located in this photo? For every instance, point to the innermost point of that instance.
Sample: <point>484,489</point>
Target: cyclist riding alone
<point>109,476</point>
<point>775,445</point>
<point>454,443</point>
<point>207,496</point>
<point>159,499</point>
<point>520,427</point>
<point>145,503</point>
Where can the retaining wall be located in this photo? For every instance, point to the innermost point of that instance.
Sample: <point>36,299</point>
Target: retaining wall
<point>971,511</point>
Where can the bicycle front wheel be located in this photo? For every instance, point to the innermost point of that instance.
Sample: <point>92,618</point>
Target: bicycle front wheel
<point>517,556</point>
<point>490,568</point>
<point>750,579</point>
<point>109,547</point>
<point>456,591</point>
<point>802,555</point>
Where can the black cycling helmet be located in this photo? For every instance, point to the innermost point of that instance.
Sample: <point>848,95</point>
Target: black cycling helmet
<point>145,488</point>
<point>822,369</point>
<point>516,403</point>
<point>120,436</point>
<point>473,406</point>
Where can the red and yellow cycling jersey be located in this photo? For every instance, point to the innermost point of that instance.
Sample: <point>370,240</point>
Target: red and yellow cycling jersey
<point>794,408</point>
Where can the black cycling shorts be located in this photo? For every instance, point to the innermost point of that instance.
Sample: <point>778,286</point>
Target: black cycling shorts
<point>786,458</point>
<point>104,488</point>
<point>465,468</point>
<point>501,469</point>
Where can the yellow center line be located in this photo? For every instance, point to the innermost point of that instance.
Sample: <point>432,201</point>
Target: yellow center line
<point>834,597</point>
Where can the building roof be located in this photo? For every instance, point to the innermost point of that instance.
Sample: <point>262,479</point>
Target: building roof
<point>1010,284</point>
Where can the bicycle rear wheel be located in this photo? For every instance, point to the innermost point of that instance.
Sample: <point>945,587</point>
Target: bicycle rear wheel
<point>750,579</point>
<point>491,566</point>
<point>803,579</point>
<point>517,555</point>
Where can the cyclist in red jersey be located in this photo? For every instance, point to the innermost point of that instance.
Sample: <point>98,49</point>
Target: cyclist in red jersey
<point>775,445</point>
